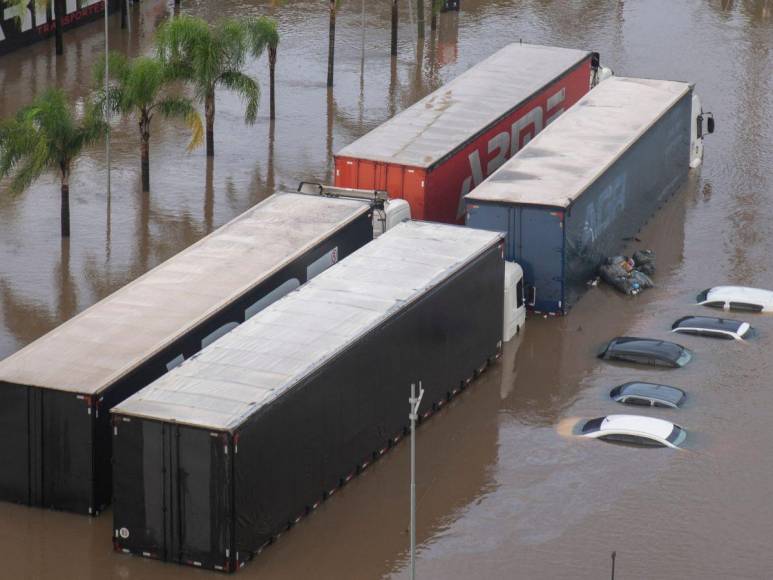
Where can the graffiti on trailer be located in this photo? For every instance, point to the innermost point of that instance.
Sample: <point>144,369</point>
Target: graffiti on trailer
<point>21,25</point>
<point>506,144</point>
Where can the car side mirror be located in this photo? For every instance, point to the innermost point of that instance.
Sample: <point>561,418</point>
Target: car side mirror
<point>710,123</point>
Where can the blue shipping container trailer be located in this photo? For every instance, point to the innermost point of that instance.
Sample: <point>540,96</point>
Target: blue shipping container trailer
<point>225,452</point>
<point>55,394</point>
<point>589,180</point>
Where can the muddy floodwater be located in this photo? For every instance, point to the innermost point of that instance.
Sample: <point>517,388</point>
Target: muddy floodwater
<point>504,490</point>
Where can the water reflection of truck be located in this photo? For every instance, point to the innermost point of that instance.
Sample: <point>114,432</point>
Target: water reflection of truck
<point>589,181</point>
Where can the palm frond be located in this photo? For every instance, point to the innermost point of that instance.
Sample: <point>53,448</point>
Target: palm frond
<point>183,108</point>
<point>262,33</point>
<point>246,87</point>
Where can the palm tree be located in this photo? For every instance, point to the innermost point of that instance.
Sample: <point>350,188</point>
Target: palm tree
<point>394,28</point>
<point>214,57</point>
<point>141,88</point>
<point>436,6</point>
<point>46,136</point>
<point>331,41</point>
<point>266,28</point>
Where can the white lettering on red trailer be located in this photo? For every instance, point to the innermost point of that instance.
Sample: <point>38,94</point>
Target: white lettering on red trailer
<point>503,145</point>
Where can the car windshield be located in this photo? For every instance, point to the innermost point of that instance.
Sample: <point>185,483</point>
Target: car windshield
<point>592,425</point>
<point>677,436</point>
<point>684,358</point>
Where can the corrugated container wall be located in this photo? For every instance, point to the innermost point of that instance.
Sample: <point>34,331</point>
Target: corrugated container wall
<point>55,394</point>
<point>215,459</point>
<point>439,149</point>
<point>589,181</point>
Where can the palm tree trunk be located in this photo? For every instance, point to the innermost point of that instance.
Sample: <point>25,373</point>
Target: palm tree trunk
<point>65,210</point>
<point>420,17</point>
<point>59,10</point>
<point>271,75</point>
<point>145,151</point>
<point>433,18</point>
<point>331,43</point>
<point>209,113</point>
<point>394,27</point>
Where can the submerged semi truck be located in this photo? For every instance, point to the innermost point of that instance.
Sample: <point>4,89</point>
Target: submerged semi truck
<point>590,180</point>
<point>436,151</point>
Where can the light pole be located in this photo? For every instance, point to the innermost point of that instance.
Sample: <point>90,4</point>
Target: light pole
<point>107,105</point>
<point>413,416</point>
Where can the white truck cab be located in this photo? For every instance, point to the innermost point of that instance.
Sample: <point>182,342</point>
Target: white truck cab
<point>702,125</point>
<point>515,304</point>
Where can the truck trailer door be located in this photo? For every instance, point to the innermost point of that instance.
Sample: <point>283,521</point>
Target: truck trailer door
<point>538,246</point>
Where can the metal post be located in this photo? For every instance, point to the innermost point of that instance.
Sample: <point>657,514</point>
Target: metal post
<point>413,416</point>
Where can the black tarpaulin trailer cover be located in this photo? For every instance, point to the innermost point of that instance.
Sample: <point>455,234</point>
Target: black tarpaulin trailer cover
<point>210,489</point>
<point>55,394</point>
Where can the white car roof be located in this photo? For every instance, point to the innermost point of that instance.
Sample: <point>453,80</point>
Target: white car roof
<point>651,426</point>
<point>741,294</point>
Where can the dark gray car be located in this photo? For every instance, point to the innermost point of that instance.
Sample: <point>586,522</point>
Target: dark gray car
<point>646,351</point>
<point>648,395</point>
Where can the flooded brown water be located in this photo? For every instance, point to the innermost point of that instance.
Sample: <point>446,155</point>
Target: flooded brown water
<point>502,491</point>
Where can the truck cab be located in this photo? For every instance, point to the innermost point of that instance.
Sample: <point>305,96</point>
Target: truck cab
<point>515,303</point>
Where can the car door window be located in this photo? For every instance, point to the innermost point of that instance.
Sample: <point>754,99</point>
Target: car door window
<point>720,305</point>
<point>745,306</point>
<point>638,401</point>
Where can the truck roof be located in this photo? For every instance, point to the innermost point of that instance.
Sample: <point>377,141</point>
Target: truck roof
<point>92,350</point>
<point>562,161</point>
<point>448,118</point>
<point>265,356</point>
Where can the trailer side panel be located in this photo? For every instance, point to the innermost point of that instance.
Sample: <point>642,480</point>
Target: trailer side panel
<point>454,177</point>
<point>308,441</point>
<point>621,201</point>
<point>15,433</point>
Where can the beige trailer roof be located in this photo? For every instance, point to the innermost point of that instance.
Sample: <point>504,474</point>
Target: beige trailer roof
<point>92,350</point>
<point>438,124</point>
<point>256,362</point>
<point>562,161</point>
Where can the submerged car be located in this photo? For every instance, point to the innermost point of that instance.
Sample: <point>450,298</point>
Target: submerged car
<point>711,326</point>
<point>635,430</point>
<point>741,298</point>
<point>646,351</point>
<point>648,395</point>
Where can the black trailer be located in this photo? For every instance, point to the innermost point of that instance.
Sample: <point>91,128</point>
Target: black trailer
<point>219,456</point>
<point>55,394</point>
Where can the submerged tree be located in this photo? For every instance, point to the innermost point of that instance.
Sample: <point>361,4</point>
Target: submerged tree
<point>140,88</point>
<point>212,57</point>
<point>47,136</point>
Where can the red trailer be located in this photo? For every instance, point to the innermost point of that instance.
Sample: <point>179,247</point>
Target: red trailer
<point>436,151</point>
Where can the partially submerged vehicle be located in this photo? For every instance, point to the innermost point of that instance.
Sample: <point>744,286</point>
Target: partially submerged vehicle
<point>648,395</point>
<point>646,351</point>
<point>740,298</point>
<point>712,327</point>
<point>635,430</point>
